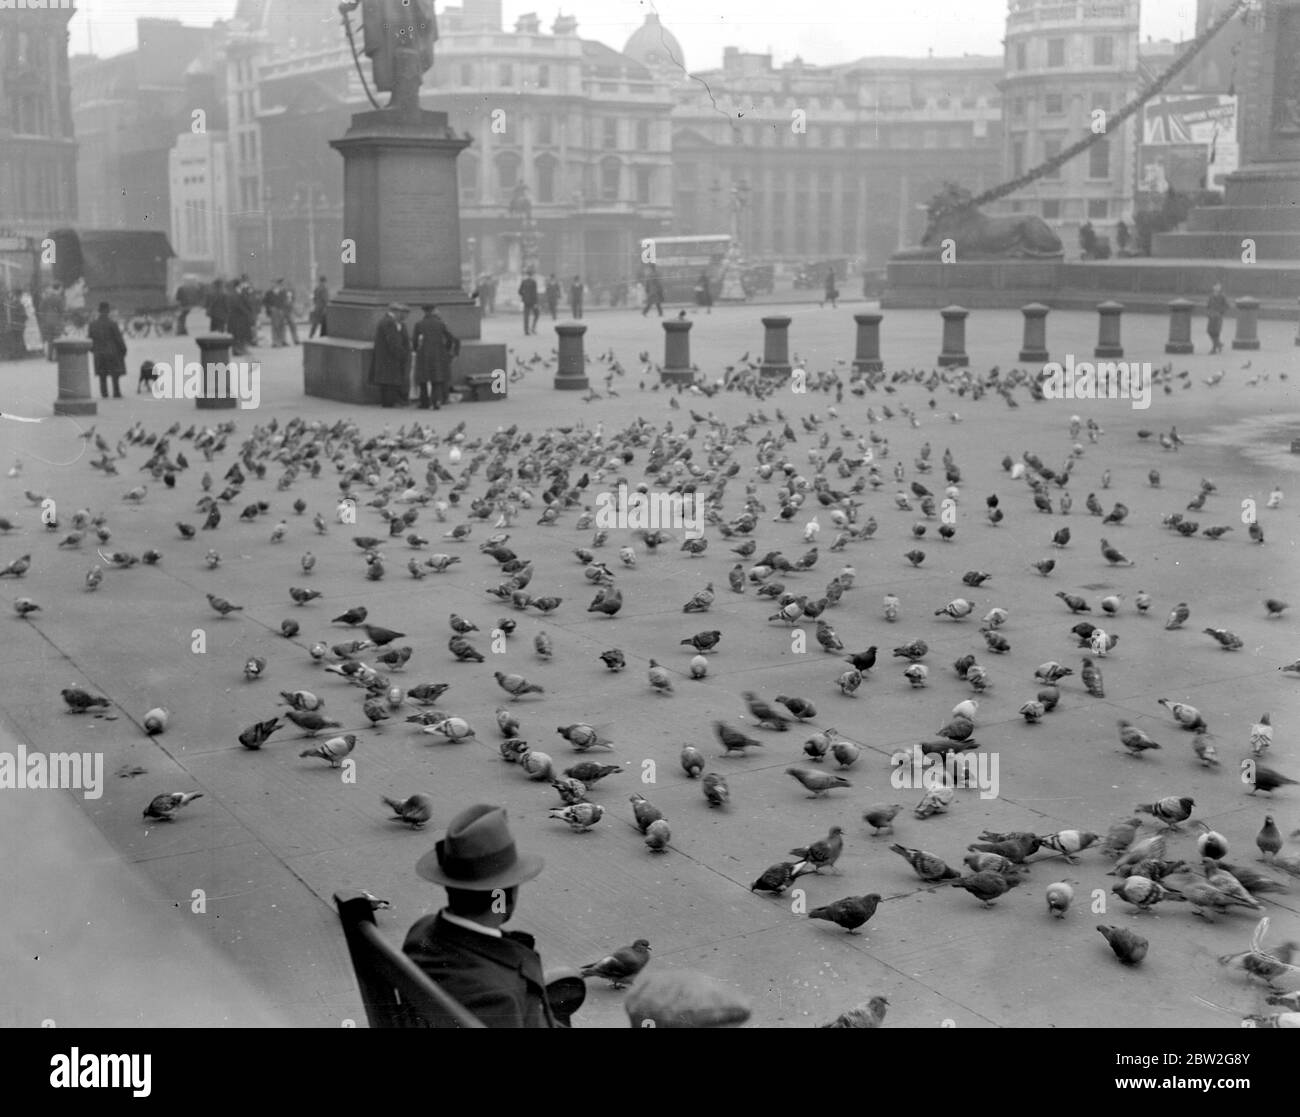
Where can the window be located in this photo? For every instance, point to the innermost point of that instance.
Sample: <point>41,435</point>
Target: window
<point>466,74</point>
<point>542,129</point>
<point>1099,159</point>
<point>611,173</point>
<point>1053,104</point>
<point>543,77</point>
<point>507,174</point>
<point>644,183</point>
<point>1098,208</point>
<point>1022,61</point>
<point>1051,209</point>
<point>1056,52</point>
<point>545,180</point>
<point>609,132</point>
<point>505,74</point>
<point>1103,50</point>
<point>1051,149</point>
<point>643,135</point>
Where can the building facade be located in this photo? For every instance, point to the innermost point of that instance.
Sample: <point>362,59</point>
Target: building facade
<point>38,151</point>
<point>200,200</point>
<point>1068,64</point>
<point>817,162</point>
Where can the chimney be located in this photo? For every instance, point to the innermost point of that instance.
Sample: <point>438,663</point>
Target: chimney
<point>565,25</point>
<point>528,24</point>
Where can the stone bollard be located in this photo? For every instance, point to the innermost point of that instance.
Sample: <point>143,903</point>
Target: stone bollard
<point>1034,345</point>
<point>1180,327</point>
<point>74,378</point>
<point>677,352</point>
<point>1247,336</point>
<point>214,356</point>
<point>867,358</point>
<point>776,348</point>
<point>571,375</point>
<point>1108,323</point>
<point>954,337</point>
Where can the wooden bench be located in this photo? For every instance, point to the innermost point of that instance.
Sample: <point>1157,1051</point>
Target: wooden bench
<point>395,991</point>
<point>478,387</point>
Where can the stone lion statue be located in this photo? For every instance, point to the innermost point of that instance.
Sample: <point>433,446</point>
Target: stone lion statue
<point>951,215</point>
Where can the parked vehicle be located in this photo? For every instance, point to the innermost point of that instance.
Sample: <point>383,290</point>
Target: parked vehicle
<point>127,268</point>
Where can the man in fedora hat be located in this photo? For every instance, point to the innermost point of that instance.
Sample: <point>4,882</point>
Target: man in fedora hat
<point>495,974</point>
<point>390,361</point>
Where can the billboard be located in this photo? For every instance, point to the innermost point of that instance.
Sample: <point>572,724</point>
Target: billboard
<point>1207,121</point>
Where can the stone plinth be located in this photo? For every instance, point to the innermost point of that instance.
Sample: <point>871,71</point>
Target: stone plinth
<point>776,347</point>
<point>1034,344</point>
<point>866,357</point>
<point>1109,316</point>
<point>1246,336</point>
<point>954,337</point>
<point>74,378</point>
<point>214,356</point>
<point>677,352</point>
<point>1180,327</point>
<point>571,374</point>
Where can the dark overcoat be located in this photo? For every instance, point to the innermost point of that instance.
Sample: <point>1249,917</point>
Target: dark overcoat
<point>391,361</point>
<point>434,346</point>
<point>107,346</point>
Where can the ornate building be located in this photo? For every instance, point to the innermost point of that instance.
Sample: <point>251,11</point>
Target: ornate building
<point>38,154</point>
<point>826,161</point>
<point>1066,59</point>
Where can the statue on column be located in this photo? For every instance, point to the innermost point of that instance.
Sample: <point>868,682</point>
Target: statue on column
<point>398,39</point>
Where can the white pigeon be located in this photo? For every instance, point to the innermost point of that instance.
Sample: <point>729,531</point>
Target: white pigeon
<point>1261,735</point>
<point>810,530</point>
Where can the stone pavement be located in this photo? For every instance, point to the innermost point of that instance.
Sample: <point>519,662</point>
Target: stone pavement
<point>276,835</point>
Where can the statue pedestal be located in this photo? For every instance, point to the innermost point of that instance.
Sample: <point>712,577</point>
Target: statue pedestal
<point>401,221</point>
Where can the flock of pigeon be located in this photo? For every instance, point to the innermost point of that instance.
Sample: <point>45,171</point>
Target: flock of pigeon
<point>838,485</point>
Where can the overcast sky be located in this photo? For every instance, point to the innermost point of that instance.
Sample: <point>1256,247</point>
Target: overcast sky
<point>823,31</point>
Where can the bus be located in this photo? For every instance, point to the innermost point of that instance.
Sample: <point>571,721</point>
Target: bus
<point>679,261</point>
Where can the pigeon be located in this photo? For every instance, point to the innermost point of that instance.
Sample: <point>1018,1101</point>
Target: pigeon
<point>914,650</point>
<point>1129,947</point>
<point>1189,717</point>
<point>957,608</point>
<point>765,714</point>
<point>692,761</point>
<point>1091,676</point>
<point>255,667</point>
<point>1177,616</point>
<point>849,681</point>
<point>463,650</point>
<point>569,790</point>
<point>926,865</point>
<point>1206,898</point>
<point>1120,836</point>
<point>333,750</point>
<point>1142,892</point>
<point>1069,842</point>
<point>538,766</point>
<point>819,783</point>
<point>701,600</point>
<point>25,606</point>
<point>660,681</point>
<point>777,878</point>
<point>415,811</point>
<point>716,791</point>
<point>1073,602</point>
<point>583,737</point>
<point>155,721</point>
<point>1229,641</point>
<point>823,852</point>
<point>869,1014</point>
<point>620,967</point>
<point>1275,607</point>
<point>163,808</point>
<point>426,694</point>
<point>733,740</point>
<point>79,701</point>
<point>1261,778</point>
<point>881,818</point>
<point>851,913</point>
<point>353,616</point>
<point>1269,839</point>
<point>516,685</point>
<point>1059,896</point>
<point>986,886</point>
<point>222,606</point>
<point>1134,739</point>
<point>703,641</point>
<point>657,836</point>
<point>1114,557</point>
<point>846,753</point>
<point>379,636</point>
<point>644,812</point>
<point>1170,810</point>
<point>311,722</point>
<point>580,817</point>
<point>590,772</point>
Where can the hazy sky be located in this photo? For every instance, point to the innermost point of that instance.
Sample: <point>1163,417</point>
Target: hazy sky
<point>823,31</point>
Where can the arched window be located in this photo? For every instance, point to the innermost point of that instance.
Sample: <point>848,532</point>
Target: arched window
<point>507,167</point>
<point>545,169</point>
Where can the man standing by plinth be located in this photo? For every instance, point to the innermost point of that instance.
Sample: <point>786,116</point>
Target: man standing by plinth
<point>1216,308</point>
<point>108,347</point>
<point>390,363</point>
<point>528,296</point>
<point>435,347</point>
<point>576,293</point>
<point>320,299</point>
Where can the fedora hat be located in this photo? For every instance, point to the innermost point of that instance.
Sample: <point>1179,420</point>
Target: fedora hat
<point>478,854</point>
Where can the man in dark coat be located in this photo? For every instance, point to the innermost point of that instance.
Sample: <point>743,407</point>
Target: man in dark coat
<point>1215,309</point>
<point>552,295</point>
<point>495,974</point>
<point>218,308</point>
<point>576,292</point>
<point>528,296</point>
<point>654,292</point>
<point>435,346</point>
<point>108,347</point>
<point>390,364</point>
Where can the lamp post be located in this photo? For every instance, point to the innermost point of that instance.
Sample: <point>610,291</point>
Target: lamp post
<point>732,285</point>
<point>267,197</point>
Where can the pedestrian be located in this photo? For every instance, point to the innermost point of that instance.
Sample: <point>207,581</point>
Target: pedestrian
<point>290,312</point>
<point>435,348</point>
<point>703,295</point>
<point>108,347</point>
<point>390,361</point>
<point>240,319</point>
<point>1216,308</point>
<point>273,304</point>
<point>50,316</point>
<point>576,292</point>
<point>1121,235</point>
<point>320,298</point>
<point>829,291</point>
<point>184,299</point>
<point>654,292</point>
<point>218,308</point>
<point>552,295</point>
<point>13,324</point>
<point>494,974</point>
<point>528,296</point>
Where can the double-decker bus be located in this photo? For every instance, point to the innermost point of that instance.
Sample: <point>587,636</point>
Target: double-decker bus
<point>680,260</point>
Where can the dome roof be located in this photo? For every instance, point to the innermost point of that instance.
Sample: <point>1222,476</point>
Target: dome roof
<point>654,45</point>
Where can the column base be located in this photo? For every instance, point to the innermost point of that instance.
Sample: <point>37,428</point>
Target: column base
<point>677,376</point>
<point>1109,352</point>
<point>1034,355</point>
<point>571,384</point>
<point>218,403</point>
<point>76,407</point>
<point>1182,347</point>
<point>953,360</point>
<point>869,364</point>
<point>774,372</point>
<point>1252,344</point>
